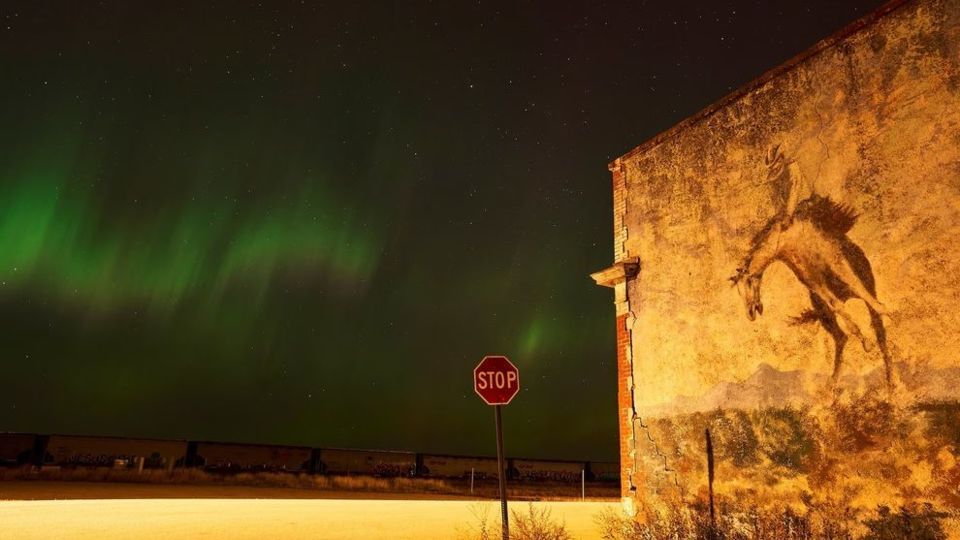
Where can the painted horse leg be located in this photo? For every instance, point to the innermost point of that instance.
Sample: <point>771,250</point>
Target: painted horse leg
<point>840,341</point>
<point>829,322</point>
<point>836,306</point>
<point>877,322</point>
<point>845,273</point>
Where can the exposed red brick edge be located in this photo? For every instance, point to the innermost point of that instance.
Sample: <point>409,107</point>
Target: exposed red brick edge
<point>624,404</point>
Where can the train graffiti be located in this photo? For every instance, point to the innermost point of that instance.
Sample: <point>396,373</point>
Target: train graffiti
<point>77,451</point>
<point>370,462</point>
<point>20,449</point>
<point>560,471</point>
<point>235,457</point>
<point>457,466</point>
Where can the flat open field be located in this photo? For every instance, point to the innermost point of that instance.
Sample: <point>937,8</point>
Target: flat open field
<point>196,515</point>
<point>42,490</point>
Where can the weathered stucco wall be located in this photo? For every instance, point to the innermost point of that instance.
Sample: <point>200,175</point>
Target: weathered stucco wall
<point>868,125</point>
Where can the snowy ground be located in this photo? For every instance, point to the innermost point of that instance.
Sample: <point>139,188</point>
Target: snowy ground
<point>256,518</point>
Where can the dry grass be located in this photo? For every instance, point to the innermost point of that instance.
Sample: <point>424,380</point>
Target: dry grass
<point>482,527</point>
<point>541,490</point>
<point>919,522</point>
<point>534,524</point>
<point>263,479</point>
<point>537,525</point>
<point>487,489</point>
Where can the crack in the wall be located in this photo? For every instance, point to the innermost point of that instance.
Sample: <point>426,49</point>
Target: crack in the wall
<point>631,320</point>
<point>633,405</point>
<point>657,450</point>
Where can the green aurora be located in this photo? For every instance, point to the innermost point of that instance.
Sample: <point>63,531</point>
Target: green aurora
<point>50,241</point>
<point>299,223</point>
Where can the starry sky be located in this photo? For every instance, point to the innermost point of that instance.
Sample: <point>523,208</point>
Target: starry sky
<point>305,223</point>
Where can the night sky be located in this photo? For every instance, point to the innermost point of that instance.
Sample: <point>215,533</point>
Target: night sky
<point>305,223</point>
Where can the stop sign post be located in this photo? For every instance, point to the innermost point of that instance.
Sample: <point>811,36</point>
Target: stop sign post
<point>496,380</point>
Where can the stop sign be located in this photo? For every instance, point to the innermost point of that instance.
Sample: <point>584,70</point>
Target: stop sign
<point>496,380</point>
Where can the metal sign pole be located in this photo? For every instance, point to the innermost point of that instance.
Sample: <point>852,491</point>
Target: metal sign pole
<point>583,484</point>
<point>502,476</point>
<point>496,380</point>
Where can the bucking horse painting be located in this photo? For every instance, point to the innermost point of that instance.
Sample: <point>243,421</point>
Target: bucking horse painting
<point>810,237</point>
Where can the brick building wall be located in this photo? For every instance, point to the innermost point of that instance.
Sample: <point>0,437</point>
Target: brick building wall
<point>868,120</point>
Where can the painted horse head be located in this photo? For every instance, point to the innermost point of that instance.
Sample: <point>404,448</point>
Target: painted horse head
<point>748,286</point>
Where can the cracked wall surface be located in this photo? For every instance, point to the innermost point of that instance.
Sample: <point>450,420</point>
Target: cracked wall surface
<point>870,122</point>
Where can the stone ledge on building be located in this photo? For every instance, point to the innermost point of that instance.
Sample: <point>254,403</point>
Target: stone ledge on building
<point>618,273</point>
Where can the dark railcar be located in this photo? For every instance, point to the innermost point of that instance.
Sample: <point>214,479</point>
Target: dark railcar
<point>16,448</point>
<point>441,466</point>
<point>370,462</point>
<point>80,451</point>
<point>542,469</point>
<point>236,457</point>
<point>603,471</point>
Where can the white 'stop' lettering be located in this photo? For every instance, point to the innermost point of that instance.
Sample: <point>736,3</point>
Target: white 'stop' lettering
<point>496,379</point>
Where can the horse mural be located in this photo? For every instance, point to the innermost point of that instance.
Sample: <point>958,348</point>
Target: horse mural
<point>810,237</point>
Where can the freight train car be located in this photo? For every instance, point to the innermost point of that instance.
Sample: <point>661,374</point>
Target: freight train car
<point>603,471</point>
<point>16,448</point>
<point>540,469</point>
<point>79,451</point>
<point>236,457</point>
<point>440,466</point>
<point>83,451</point>
<point>371,462</point>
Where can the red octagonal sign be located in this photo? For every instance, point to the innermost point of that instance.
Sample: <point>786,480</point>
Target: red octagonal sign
<point>496,380</point>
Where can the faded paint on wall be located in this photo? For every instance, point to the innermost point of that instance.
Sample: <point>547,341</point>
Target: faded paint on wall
<point>857,145</point>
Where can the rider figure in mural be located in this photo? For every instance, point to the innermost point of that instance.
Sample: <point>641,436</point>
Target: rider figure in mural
<point>810,237</point>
